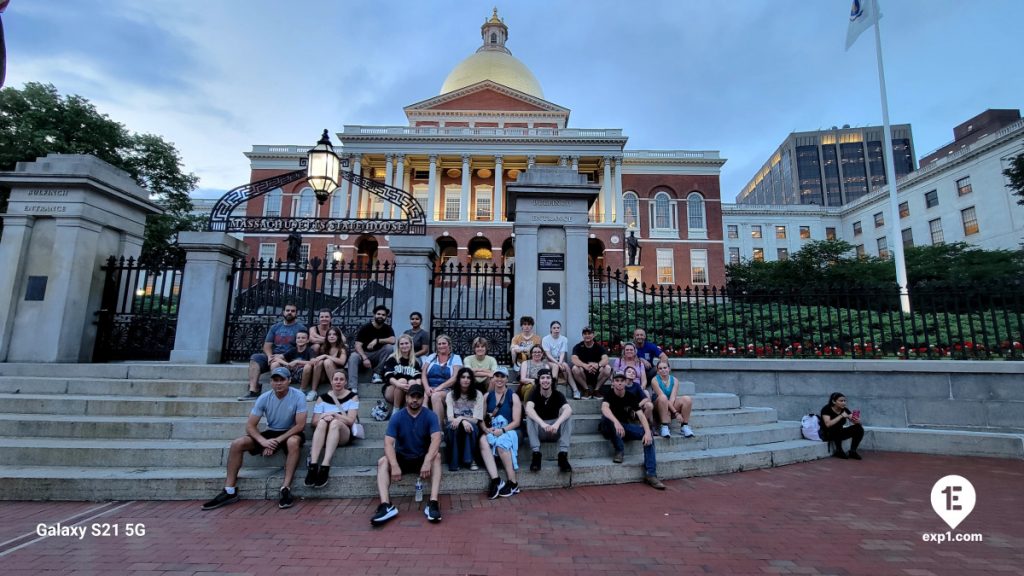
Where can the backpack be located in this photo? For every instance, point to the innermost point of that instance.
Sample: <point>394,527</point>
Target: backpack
<point>810,426</point>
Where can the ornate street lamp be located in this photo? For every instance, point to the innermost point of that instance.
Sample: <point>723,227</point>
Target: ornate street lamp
<point>322,168</point>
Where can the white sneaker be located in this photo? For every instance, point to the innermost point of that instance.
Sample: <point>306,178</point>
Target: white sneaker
<point>686,431</point>
<point>575,394</point>
<point>311,396</point>
<point>664,431</point>
<point>377,379</point>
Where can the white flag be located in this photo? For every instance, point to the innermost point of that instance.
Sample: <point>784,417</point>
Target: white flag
<point>863,15</point>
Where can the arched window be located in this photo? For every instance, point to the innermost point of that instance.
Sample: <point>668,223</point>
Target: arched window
<point>304,206</point>
<point>337,205</point>
<point>631,210</point>
<point>494,38</point>
<point>663,216</point>
<point>696,222</point>
<point>272,205</point>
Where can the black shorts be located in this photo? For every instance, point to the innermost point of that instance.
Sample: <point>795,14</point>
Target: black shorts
<point>268,434</point>
<point>410,466</point>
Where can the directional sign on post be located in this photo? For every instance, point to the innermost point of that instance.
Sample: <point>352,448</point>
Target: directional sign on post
<point>551,295</point>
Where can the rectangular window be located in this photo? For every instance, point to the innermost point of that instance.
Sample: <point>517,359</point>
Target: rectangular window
<point>483,204</point>
<point>963,186</point>
<point>755,231</point>
<point>782,254</point>
<point>272,206</point>
<point>856,228</point>
<point>267,253</point>
<point>780,232</point>
<point>698,266</point>
<point>904,209</point>
<point>419,192</point>
<point>970,220</point>
<point>666,266</point>
<point>734,231</point>
<point>883,248</point>
<point>734,255</point>
<point>337,206</point>
<point>908,238</point>
<point>452,203</point>
<point>935,227</point>
<point>860,250</point>
<point>805,232</point>
<point>931,199</point>
<point>879,220</point>
<point>830,233</point>
<point>758,254</point>
<point>303,205</point>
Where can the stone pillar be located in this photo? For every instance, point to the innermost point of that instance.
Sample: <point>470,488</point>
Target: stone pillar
<point>399,183</point>
<point>617,190</point>
<point>606,190</point>
<point>414,268</point>
<point>466,182</point>
<point>353,199</point>
<point>205,294</point>
<point>499,191</point>
<point>550,208</point>
<point>576,163</point>
<point>431,206</point>
<point>342,192</point>
<point>67,214</point>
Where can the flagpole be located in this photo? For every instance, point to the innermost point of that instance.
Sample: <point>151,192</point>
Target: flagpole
<point>895,234</point>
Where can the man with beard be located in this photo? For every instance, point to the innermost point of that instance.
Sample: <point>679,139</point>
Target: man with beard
<point>280,339</point>
<point>375,341</point>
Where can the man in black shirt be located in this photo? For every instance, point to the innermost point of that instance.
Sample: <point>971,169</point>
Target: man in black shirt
<point>590,364</point>
<point>622,419</point>
<point>548,419</point>
<point>375,341</point>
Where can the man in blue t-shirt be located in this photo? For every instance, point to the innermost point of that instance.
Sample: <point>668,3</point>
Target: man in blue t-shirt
<point>280,339</point>
<point>412,444</point>
<point>285,410</point>
<point>648,352</point>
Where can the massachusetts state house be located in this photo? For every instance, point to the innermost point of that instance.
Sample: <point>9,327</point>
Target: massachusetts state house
<point>460,149</point>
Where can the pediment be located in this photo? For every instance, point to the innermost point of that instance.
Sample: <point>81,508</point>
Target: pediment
<point>486,96</point>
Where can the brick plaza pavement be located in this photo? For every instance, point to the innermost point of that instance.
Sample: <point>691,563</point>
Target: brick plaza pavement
<point>825,517</point>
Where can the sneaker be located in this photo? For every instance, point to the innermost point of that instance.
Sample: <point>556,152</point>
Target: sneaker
<point>853,454</point>
<point>311,396</point>
<point>222,499</point>
<point>323,477</point>
<point>617,459</point>
<point>312,473</point>
<point>840,454</point>
<point>535,462</point>
<point>654,482</point>
<point>377,379</point>
<point>496,485</point>
<point>473,466</point>
<point>287,500</point>
<point>508,489</point>
<point>433,511</point>
<point>686,431</point>
<point>384,513</point>
<point>250,395</point>
<point>664,431</point>
<point>563,462</point>
<point>576,395</point>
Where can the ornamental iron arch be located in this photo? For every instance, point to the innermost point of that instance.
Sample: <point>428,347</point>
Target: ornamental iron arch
<point>222,220</point>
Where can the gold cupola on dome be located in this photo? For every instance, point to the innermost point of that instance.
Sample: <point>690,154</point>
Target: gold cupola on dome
<point>493,61</point>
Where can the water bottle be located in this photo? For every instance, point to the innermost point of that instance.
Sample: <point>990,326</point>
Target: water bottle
<point>419,489</point>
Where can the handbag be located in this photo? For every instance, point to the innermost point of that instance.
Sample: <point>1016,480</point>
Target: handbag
<point>358,431</point>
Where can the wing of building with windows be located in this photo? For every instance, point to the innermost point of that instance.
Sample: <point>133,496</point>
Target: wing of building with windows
<point>831,184</point>
<point>460,147</point>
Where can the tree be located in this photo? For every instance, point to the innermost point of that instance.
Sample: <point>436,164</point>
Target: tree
<point>1016,175</point>
<point>37,120</point>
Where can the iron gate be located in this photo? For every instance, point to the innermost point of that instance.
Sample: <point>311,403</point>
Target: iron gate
<point>261,289</point>
<point>471,301</point>
<point>138,312</point>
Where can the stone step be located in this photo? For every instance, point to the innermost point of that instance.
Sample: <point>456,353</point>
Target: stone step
<point>142,427</point>
<point>141,483</point>
<point>130,371</point>
<point>121,387</point>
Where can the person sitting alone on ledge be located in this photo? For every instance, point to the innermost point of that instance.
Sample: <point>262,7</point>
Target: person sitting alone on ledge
<point>839,424</point>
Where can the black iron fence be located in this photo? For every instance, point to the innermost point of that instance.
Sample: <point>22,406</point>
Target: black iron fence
<point>138,312</point>
<point>717,322</point>
<point>261,288</point>
<point>470,301</point>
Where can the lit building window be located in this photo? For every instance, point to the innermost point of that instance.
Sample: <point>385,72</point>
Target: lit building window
<point>883,248</point>
<point>830,233</point>
<point>734,255</point>
<point>666,266</point>
<point>805,232</point>
<point>782,254</point>
<point>631,210</point>
<point>758,254</point>
<point>780,232</point>
<point>963,186</point>
<point>755,231</point>
<point>970,220</point>
<point>698,266</point>
<point>452,202</point>
<point>904,209</point>
<point>856,228</point>
<point>935,227</point>
<point>860,250</point>
<point>879,220</point>
<point>484,199</point>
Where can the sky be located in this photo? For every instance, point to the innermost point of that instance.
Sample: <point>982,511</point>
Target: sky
<point>218,76</point>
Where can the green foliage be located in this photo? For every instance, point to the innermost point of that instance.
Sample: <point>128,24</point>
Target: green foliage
<point>37,120</point>
<point>1016,175</point>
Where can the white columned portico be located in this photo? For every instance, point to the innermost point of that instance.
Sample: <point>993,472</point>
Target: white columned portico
<point>606,189</point>
<point>464,202</point>
<point>499,192</point>
<point>617,191</point>
<point>353,199</point>
<point>399,183</point>
<point>432,189</point>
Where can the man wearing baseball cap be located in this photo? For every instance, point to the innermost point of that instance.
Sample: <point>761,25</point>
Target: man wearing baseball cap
<point>590,365</point>
<point>412,444</point>
<point>285,410</point>
<point>622,419</point>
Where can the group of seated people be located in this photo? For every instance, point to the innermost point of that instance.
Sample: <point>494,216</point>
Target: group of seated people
<point>433,395</point>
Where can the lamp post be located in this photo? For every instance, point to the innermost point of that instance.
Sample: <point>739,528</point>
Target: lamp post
<point>322,168</point>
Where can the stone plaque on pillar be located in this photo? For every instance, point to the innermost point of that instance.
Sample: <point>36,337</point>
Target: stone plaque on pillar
<point>550,206</point>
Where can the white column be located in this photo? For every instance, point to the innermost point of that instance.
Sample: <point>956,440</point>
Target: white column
<point>432,189</point>
<point>617,191</point>
<point>399,183</point>
<point>576,163</point>
<point>530,160</point>
<point>353,199</point>
<point>343,189</point>
<point>499,192</point>
<point>606,189</point>
<point>464,203</point>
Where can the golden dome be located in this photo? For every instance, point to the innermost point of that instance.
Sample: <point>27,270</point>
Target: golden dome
<point>498,67</point>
